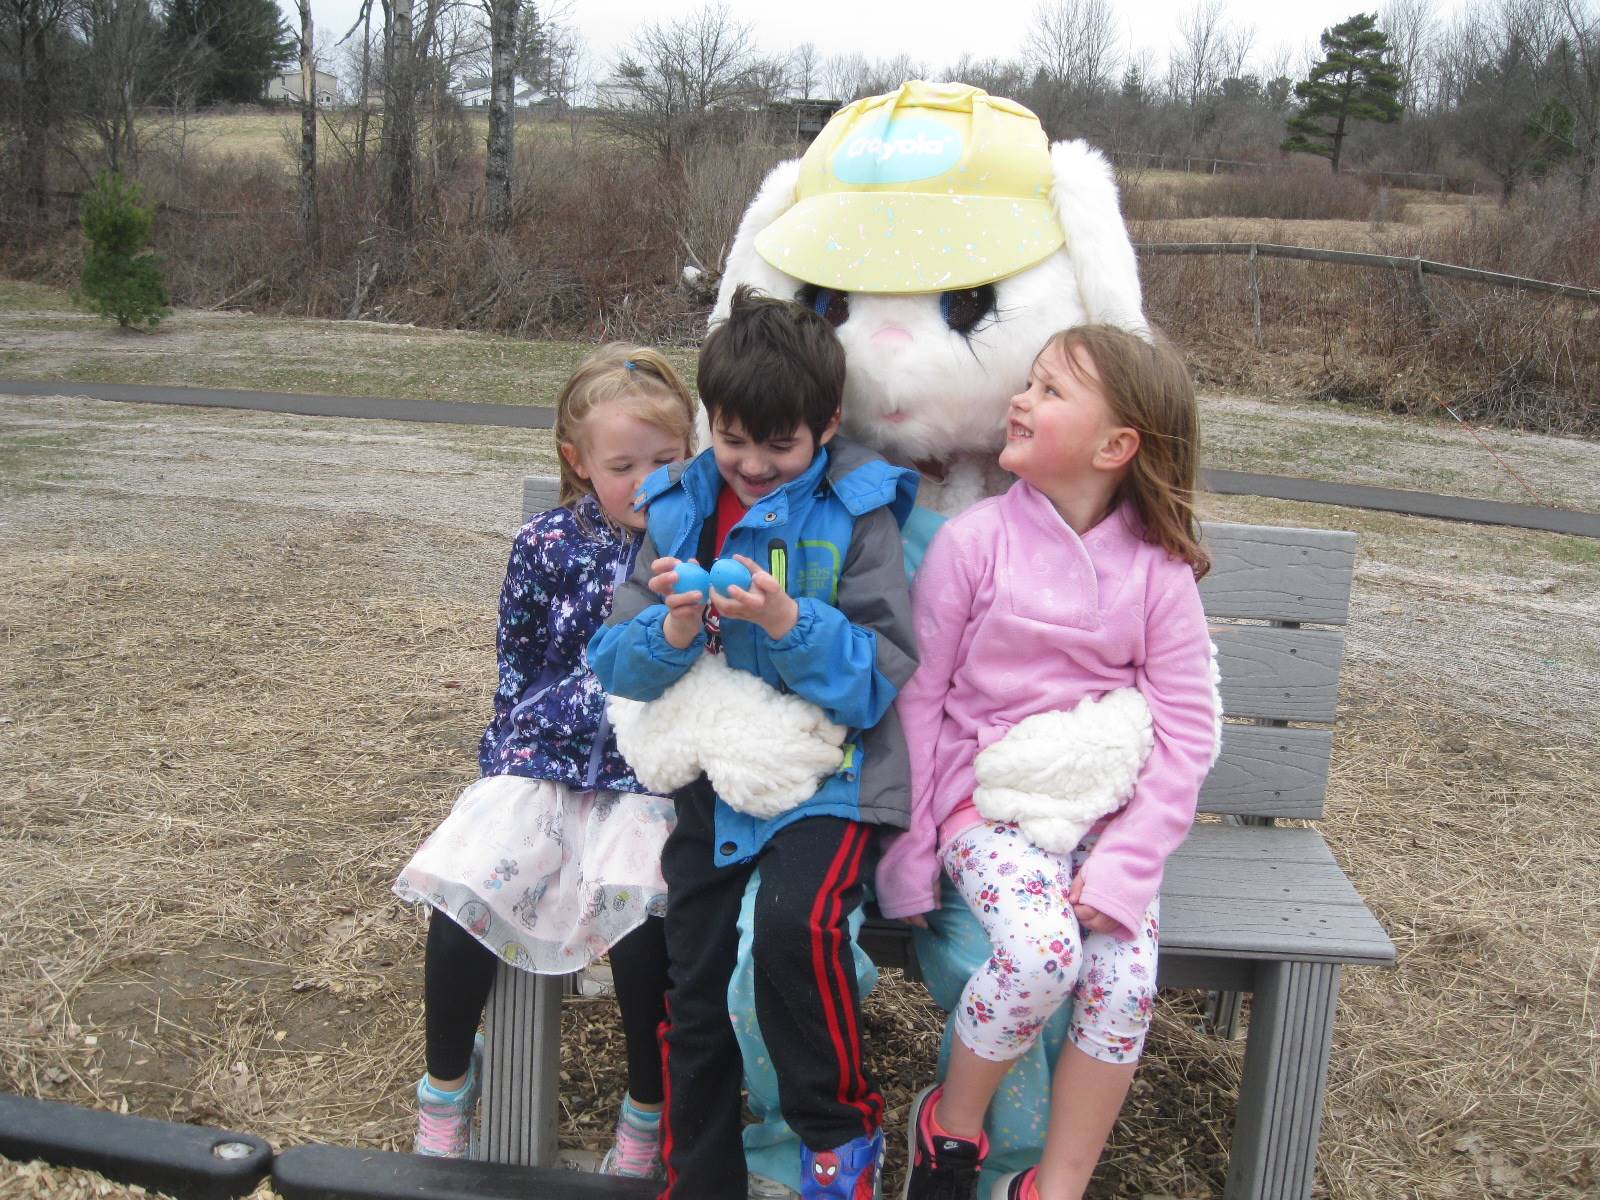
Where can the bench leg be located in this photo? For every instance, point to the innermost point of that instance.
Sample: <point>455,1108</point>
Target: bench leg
<point>522,1068</point>
<point>1224,1013</point>
<point>1285,1073</point>
<point>1225,1010</point>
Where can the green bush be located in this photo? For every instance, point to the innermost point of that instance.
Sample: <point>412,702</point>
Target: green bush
<point>120,279</point>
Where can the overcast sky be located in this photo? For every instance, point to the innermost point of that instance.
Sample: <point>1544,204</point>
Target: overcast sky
<point>934,32</point>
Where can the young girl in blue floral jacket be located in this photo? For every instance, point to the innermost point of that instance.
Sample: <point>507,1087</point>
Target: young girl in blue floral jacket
<point>553,857</point>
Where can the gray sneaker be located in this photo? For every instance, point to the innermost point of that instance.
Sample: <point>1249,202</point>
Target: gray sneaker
<point>762,1188</point>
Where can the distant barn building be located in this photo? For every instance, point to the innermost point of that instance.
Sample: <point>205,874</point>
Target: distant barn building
<point>801,119</point>
<point>475,93</point>
<point>285,89</point>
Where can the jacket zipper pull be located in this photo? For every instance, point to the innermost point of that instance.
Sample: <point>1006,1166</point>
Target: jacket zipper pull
<point>778,561</point>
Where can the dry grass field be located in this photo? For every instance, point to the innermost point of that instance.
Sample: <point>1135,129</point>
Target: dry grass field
<point>1406,212</point>
<point>43,337</point>
<point>274,134</point>
<point>246,658</point>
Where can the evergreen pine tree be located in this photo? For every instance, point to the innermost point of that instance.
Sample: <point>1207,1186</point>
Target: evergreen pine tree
<point>248,41</point>
<point>119,278</point>
<point>1133,85</point>
<point>1355,81</point>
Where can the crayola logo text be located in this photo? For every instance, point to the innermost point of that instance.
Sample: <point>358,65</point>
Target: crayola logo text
<point>898,151</point>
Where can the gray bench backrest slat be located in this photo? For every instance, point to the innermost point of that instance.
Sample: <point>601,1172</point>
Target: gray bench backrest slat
<point>1265,771</point>
<point>1279,674</point>
<point>1272,674</point>
<point>539,492</point>
<point>1269,673</point>
<point>1262,573</point>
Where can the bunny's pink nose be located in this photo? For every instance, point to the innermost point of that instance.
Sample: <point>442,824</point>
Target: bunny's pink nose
<point>892,337</point>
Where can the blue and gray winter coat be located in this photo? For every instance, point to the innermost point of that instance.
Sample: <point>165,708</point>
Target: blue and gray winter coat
<point>834,534</point>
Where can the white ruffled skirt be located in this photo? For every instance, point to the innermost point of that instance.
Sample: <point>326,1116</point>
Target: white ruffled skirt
<point>547,877</point>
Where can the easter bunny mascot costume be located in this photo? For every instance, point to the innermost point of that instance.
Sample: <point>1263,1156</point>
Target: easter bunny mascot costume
<point>945,239</point>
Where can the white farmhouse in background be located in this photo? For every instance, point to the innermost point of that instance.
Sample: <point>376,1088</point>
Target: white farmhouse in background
<point>475,93</point>
<point>286,88</point>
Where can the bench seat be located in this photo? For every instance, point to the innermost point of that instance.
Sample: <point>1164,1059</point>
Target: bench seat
<point>1247,906</point>
<point>1235,894</point>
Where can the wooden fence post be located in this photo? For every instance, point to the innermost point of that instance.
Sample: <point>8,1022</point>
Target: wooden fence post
<point>1255,296</point>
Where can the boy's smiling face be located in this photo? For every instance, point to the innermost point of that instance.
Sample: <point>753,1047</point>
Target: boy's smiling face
<point>755,469</point>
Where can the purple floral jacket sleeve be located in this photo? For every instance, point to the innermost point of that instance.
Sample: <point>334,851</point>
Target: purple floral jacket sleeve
<point>549,709</point>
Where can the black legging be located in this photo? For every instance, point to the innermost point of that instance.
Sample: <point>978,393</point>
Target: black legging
<point>459,970</point>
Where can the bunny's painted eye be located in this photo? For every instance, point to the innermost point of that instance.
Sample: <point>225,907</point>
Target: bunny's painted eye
<point>965,310</point>
<point>831,306</point>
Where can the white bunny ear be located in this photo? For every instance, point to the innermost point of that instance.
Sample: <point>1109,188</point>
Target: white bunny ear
<point>775,197</point>
<point>1085,198</point>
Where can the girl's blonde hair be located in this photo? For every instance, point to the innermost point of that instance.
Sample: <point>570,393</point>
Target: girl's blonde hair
<point>1147,387</point>
<point>639,378</point>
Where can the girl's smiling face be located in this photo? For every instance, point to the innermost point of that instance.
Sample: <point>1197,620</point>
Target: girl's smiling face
<point>1058,422</point>
<point>615,452</point>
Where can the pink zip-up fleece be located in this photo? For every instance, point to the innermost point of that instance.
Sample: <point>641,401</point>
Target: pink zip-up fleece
<point>1017,615</point>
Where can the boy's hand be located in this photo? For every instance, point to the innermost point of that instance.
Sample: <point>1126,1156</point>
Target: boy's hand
<point>1088,915</point>
<point>916,921</point>
<point>682,624</point>
<point>764,602</point>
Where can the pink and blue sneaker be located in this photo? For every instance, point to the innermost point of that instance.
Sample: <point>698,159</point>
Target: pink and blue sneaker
<point>847,1172</point>
<point>447,1124</point>
<point>637,1151</point>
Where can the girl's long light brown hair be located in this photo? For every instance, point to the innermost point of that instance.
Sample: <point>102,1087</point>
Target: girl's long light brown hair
<point>1147,387</point>
<point>643,380</point>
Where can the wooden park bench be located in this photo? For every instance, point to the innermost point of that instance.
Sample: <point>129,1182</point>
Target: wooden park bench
<point>1247,906</point>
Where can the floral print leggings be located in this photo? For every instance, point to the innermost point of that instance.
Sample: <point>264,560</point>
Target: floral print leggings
<point>1042,957</point>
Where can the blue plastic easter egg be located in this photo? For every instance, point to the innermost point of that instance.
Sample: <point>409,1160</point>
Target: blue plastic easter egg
<point>729,573</point>
<point>692,577</point>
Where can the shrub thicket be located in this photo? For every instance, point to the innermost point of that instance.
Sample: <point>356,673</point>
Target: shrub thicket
<point>1299,192</point>
<point>1400,341</point>
<point>600,236</point>
<point>120,277</point>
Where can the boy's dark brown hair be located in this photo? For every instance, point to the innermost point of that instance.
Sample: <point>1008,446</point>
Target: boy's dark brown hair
<point>1147,387</point>
<point>772,366</point>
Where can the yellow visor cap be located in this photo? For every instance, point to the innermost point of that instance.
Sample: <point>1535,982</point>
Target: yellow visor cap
<point>929,188</point>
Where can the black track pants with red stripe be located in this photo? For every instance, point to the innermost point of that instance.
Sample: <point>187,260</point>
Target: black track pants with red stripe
<point>806,1002</point>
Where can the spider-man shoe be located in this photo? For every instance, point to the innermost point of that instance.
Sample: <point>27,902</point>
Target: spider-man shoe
<point>847,1172</point>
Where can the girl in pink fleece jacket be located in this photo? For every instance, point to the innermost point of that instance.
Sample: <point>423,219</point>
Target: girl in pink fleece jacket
<point>1066,669</point>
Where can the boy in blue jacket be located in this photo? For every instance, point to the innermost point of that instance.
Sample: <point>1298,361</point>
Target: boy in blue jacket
<point>826,618</point>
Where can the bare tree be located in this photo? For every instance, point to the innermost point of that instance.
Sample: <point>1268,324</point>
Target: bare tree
<point>410,75</point>
<point>1195,68</point>
<point>805,69</point>
<point>770,79</point>
<point>1456,53</point>
<point>669,85</point>
<point>1237,42</point>
<point>997,76</point>
<point>1412,26</point>
<point>1074,43</point>
<point>127,64</point>
<point>887,74</point>
<point>1071,48</point>
<point>503,21</point>
<point>399,115</point>
<point>310,218</point>
<point>1577,67</point>
<point>566,70</point>
<point>846,76</point>
<point>1503,108</point>
<point>359,64</point>
<point>34,43</point>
